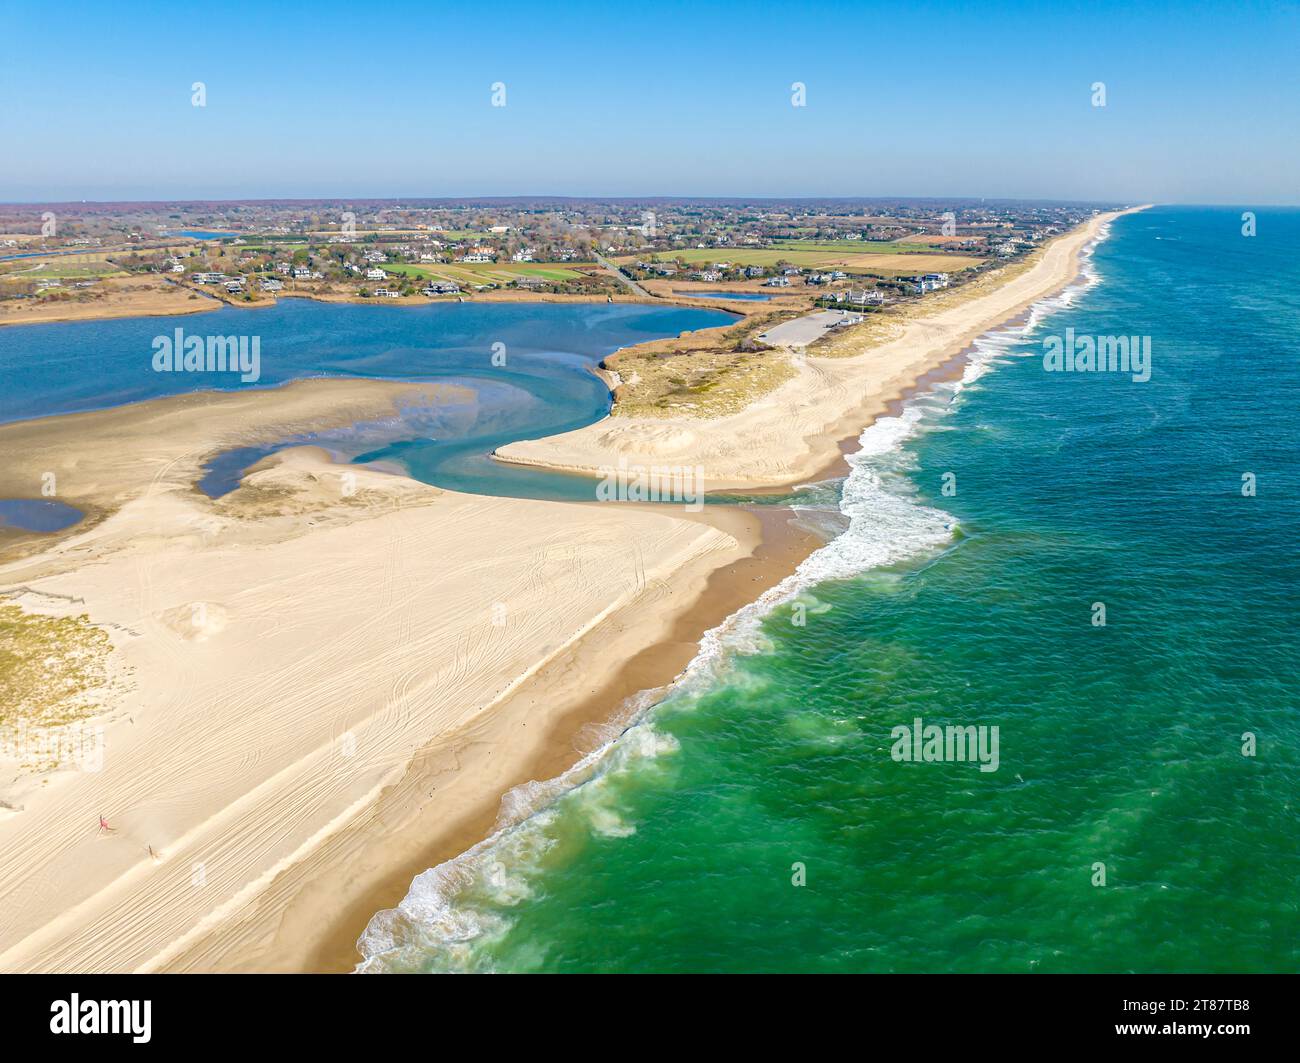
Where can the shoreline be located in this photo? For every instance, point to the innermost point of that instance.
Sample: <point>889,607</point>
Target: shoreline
<point>793,433</point>
<point>393,648</point>
<point>151,297</point>
<point>338,953</point>
<point>891,406</point>
<point>66,313</point>
<point>331,898</point>
<point>308,913</point>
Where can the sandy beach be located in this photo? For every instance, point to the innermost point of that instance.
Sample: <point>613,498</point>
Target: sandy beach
<point>792,433</point>
<point>284,653</point>
<point>324,681</point>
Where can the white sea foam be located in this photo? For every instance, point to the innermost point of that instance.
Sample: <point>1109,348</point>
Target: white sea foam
<point>453,910</point>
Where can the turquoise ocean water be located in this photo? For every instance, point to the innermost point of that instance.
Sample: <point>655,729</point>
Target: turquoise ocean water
<point>1143,814</point>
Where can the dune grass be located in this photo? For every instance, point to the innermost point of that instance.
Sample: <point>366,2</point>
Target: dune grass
<point>50,670</point>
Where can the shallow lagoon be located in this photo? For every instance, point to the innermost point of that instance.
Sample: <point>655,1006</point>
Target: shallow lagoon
<point>37,515</point>
<point>544,386</point>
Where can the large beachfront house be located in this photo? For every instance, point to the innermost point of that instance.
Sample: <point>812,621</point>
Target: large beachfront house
<point>926,282</point>
<point>854,297</point>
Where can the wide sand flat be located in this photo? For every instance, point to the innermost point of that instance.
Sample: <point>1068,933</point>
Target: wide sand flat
<point>284,653</point>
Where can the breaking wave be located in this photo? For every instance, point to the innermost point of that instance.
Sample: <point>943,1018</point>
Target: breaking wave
<point>453,912</point>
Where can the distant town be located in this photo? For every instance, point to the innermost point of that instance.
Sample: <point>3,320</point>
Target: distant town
<point>860,255</point>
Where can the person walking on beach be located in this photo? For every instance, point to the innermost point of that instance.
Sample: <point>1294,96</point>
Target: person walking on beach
<point>104,827</point>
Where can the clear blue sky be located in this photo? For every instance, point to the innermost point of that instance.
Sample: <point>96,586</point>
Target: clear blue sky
<point>615,98</point>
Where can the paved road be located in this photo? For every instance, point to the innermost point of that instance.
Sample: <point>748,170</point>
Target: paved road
<point>627,281</point>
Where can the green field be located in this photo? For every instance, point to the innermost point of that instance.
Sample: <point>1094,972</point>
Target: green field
<point>485,272</point>
<point>61,270</point>
<point>851,262</point>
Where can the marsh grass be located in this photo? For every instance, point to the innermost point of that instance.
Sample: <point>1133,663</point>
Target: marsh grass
<point>721,371</point>
<point>50,670</point>
<point>709,373</point>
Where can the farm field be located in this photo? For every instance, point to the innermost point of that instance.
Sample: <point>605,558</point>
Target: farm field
<point>882,247</point>
<point>286,247</point>
<point>97,254</point>
<point>485,272</point>
<point>325,234</point>
<point>888,264</point>
<point>60,269</point>
<point>935,240</point>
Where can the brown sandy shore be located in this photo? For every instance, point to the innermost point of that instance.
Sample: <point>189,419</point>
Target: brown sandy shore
<point>147,296</point>
<point>298,660</point>
<point>141,296</point>
<point>318,699</point>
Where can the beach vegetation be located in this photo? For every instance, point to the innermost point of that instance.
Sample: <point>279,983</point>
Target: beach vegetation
<point>50,669</point>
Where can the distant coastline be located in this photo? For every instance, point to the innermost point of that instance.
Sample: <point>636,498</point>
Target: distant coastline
<point>298,899</point>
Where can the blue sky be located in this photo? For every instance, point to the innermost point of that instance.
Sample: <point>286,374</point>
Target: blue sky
<point>394,99</point>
